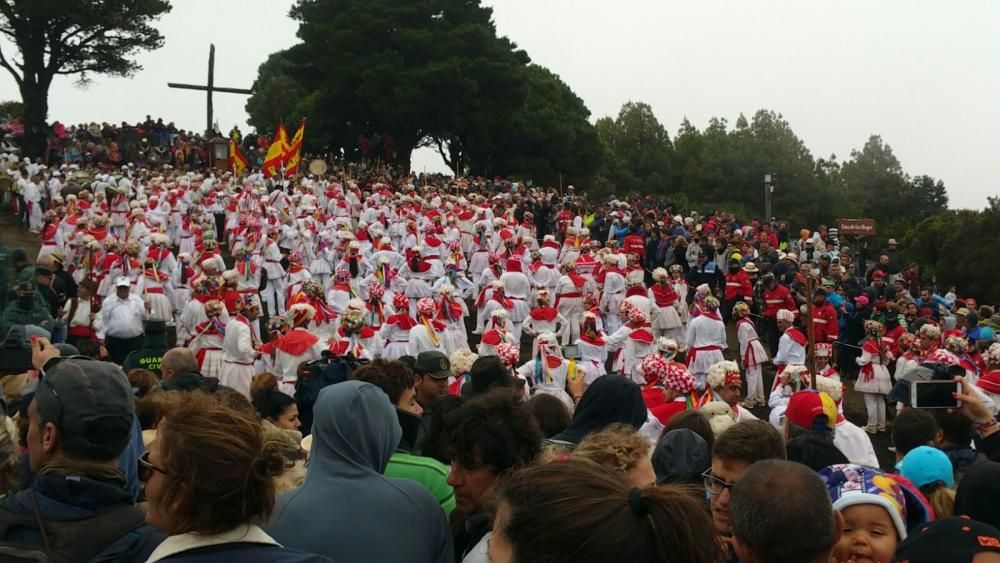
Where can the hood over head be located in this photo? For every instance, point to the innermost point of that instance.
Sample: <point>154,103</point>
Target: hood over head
<point>355,431</point>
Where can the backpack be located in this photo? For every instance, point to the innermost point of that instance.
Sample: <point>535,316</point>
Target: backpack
<point>316,375</point>
<point>70,541</point>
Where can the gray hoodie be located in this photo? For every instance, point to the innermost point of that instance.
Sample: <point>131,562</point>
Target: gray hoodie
<point>346,509</point>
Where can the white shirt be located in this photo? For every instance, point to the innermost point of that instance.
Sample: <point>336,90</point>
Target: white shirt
<point>790,352</point>
<point>122,318</point>
<point>173,545</point>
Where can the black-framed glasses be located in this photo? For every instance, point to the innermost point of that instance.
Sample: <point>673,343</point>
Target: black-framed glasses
<point>715,485</point>
<point>146,468</point>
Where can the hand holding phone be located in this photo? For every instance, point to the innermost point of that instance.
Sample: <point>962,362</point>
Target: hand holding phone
<point>935,394</point>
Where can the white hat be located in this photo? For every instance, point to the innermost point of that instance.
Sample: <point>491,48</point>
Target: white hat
<point>786,315</point>
<point>123,281</point>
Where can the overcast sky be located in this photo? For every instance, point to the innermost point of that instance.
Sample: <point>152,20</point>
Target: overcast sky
<point>924,74</point>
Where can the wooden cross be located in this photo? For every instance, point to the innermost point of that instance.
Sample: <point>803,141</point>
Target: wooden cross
<point>210,88</point>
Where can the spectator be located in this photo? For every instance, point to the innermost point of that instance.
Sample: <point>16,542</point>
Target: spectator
<point>277,409</point>
<point>810,423</point>
<point>913,428</point>
<point>761,520</point>
<point>209,483</point>
<point>621,448</point>
<point>180,373</point>
<point>488,436</point>
<point>608,399</point>
<point>355,432</point>
<point>551,414</point>
<point>978,492</point>
<point>141,381</point>
<point>738,448</point>
<point>929,469</point>
<point>681,456</point>
<point>581,513</point>
<point>956,540</point>
<point>25,310</point>
<point>396,380</point>
<point>79,423</point>
<point>432,370</point>
<point>876,511</point>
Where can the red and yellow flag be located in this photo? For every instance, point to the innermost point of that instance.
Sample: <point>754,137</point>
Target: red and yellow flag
<point>294,154</point>
<point>274,160</point>
<point>237,160</point>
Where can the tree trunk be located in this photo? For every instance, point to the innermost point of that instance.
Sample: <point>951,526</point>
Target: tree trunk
<point>404,154</point>
<point>36,111</point>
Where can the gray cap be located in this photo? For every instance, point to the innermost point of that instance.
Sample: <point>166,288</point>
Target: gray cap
<point>77,393</point>
<point>433,363</point>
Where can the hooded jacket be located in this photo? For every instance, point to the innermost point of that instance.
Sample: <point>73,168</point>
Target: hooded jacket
<point>346,509</point>
<point>609,399</point>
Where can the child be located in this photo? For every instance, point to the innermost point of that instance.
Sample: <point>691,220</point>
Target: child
<point>823,352</point>
<point>752,355</point>
<point>874,380</point>
<point>876,508</point>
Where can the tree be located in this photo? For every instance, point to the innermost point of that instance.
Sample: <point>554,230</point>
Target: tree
<point>548,138</point>
<point>278,97</point>
<point>410,70</point>
<point>12,109</point>
<point>638,148</point>
<point>953,248</point>
<point>82,37</point>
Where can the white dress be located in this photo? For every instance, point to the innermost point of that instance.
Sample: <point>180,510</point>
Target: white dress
<point>706,339</point>
<point>238,350</point>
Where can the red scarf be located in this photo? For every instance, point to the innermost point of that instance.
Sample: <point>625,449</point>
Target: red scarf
<point>544,313</point>
<point>296,342</point>
<point>664,294</point>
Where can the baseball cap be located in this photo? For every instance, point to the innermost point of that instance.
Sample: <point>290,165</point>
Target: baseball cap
<point>812,410</point>
<point>26,287</point>
<point>434,363</point>
<point>957,539</point>
<point>122,281</point>
<point>924,465</point>
<point>82,395</point>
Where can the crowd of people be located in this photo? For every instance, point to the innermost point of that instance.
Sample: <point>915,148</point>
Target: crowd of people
<point>373,367</point>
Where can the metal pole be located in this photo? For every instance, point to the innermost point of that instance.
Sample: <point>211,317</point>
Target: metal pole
<point>767,197</point>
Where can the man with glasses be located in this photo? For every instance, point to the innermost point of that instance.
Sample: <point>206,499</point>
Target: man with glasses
<point>79,424</point>
<point>739,447</point>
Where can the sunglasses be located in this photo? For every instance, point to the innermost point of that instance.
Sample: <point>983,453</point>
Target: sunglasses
<point>146,468</point>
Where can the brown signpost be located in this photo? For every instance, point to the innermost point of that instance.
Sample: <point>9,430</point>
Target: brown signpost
<point>856,227</point>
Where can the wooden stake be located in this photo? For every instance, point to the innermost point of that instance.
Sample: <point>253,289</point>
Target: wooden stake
<point>811,331</point>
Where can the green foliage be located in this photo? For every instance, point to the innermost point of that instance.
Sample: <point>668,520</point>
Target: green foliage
<point>277,95</point>
<point>80,38</point>
<point>727,166</point>
<point>956,248</point>
<point>424,71</point>
<point>547,138</point>
<point>12,109</point>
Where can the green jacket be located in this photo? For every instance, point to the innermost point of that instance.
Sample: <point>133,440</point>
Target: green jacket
<point>429,472</point>
<point>5,278</point>
<point>15,315</point>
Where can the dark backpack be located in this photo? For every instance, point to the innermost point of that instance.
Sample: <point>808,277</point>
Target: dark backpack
<point>316,375</point>
<point>68,541</point>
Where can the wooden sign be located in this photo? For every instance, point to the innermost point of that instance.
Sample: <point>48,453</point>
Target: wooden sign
<point>856,227</point>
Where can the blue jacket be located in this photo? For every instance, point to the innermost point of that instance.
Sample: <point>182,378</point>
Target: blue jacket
<point>246,553</point>
<point>62,497</point>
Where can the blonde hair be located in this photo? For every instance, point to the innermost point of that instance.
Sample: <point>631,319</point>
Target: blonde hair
<point>941,499</point>
<point>619,447</point>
